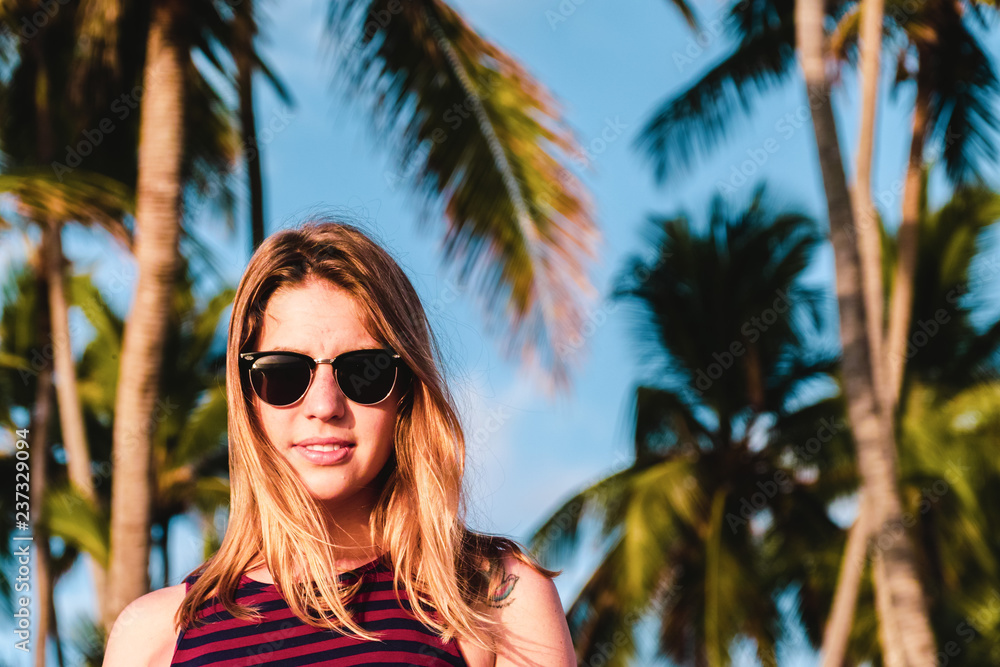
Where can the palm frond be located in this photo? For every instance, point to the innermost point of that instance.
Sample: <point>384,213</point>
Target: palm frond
<point>79,196</point>
<point>599,614</point>
<point>204,429</point>
<point>685,9</point>
<point>664,420</point>
<point>692,123</point>
<point>559,534</point>
<point>205,324</point>
<point>963,107</point>
<point>704,296</point>
<point>477,134</point>
<point>97,32</point>
<point>74,519</point>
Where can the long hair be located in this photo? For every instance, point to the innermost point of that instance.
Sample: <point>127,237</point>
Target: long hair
<point>418,522</point>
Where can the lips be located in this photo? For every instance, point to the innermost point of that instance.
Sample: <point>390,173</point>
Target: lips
<point>324,451</point>
<point>323,441</point>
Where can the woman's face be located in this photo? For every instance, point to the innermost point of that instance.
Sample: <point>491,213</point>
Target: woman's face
<point>321,320</point>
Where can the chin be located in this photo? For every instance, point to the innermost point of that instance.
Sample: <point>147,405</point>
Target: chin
<point>325,489</point>
<point>326,493</point>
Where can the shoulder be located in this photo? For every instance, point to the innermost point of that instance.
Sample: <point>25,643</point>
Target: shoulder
<point>145,628</point>
<point>532,620</point>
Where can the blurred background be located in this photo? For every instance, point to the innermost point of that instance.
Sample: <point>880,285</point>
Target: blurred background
<point>624,235</point>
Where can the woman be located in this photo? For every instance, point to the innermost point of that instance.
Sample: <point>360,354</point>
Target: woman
<point>346,464</point>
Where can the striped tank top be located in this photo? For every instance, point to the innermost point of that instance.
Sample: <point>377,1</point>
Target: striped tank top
<point>281,638</point>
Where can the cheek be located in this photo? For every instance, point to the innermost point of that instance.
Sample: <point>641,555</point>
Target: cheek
<point>379,430</point>
<point>272,422</point>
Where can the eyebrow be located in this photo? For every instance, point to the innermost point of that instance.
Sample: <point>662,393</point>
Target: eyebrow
<point>287,348</point>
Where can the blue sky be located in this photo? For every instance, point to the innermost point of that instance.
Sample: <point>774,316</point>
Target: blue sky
<point>607,63</point>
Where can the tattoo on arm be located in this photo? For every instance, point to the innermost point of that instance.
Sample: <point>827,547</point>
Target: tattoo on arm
<point>501,597</point>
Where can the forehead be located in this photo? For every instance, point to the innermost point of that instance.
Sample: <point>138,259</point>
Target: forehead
<point>317,318</point>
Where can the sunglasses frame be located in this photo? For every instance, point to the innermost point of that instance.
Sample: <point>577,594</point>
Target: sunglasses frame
<point>247,360</point>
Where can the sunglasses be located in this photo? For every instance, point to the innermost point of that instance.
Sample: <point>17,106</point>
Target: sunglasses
<point>282,377</point>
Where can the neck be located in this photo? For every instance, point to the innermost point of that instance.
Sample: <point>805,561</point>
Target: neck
<point>348,528</point>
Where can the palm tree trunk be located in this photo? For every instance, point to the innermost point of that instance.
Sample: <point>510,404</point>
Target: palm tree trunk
<point>838,624</point>
<point>243,25</point>
<point>901,304</point>
<point>39,430</point>
<point>158,225</point>
<point>165,546</point>
<point>890,634</point>
<point>867,224</point>
<point>869,242</point>
<point>54,629</point>
<point>74,436</point>
<point>57,326</point>
<point>43,584</point>
<point>873,432</point>
<point>713,645</point>
<point>900,313</point>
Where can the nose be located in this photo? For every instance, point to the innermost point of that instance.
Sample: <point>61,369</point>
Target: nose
<point>324,400</point>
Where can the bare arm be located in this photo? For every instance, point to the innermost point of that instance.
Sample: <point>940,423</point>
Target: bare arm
<point>534,632</point>
<point>144,632</point>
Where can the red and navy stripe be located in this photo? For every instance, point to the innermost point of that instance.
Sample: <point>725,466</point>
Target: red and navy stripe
<point>281,638</point>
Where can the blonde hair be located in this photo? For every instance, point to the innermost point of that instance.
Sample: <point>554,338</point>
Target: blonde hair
<point>418,522</point>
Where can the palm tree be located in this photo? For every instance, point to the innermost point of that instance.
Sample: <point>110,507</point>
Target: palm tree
<point>957,89</point>
<point>57,194</point>
<point>190,456</point>
<point>869,242</point>
<point>190,444</point>
<point>248,62</point>
<point>184,140</point>
<point>29,99</point>
<point>34,313</point>
<point>157,219</point>
<point>873,428</point>
<point>700,116</point>
<point>189,452</point>
<point>721,484</point>
<point>944,368</point>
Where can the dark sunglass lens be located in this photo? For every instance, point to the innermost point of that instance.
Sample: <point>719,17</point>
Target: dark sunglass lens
<point>280,380</point>
<point>366,377</point>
